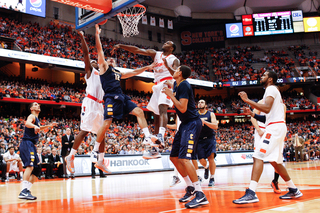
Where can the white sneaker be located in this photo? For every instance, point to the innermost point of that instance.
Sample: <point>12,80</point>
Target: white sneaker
<point>94,156</point>
<point>153,154</point>
<point>151,141</point>
<point>175,180</point>
<point>102,166</point>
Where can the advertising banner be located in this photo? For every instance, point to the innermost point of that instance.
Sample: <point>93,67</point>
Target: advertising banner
<point>234,30</point>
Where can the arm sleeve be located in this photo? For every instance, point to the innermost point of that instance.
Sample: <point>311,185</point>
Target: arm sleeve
<point>261,118</point>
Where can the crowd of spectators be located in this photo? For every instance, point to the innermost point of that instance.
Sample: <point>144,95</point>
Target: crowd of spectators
<point>296,101</point>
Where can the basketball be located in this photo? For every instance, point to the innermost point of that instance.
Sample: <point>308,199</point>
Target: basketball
<point>103,22</point>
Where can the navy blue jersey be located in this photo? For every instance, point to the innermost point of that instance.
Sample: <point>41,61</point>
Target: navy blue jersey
<point>110,81</point>
<point>29,133</point>
<point>206,131</point>
<point>184,90</point>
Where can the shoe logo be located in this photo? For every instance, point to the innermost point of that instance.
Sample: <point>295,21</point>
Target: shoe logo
<point>199,200</point>
<point>24,194</point>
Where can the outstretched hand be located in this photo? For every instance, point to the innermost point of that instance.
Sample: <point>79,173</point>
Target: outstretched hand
<point>151,66</point>
<point>98,30</point>
<point>246,110</point>
<point>117,46</point>
<point>165,62</point>
<point>81,33</point>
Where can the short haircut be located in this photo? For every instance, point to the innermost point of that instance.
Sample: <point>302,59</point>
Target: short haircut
<point>31,105</point>
<point>186,71</point>
<point>174,46</point>
<point>273,75</point>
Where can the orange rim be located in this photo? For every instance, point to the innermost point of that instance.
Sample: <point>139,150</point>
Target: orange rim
<point>138,14</point>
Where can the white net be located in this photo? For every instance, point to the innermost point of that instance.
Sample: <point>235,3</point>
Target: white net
<point>129,20</point>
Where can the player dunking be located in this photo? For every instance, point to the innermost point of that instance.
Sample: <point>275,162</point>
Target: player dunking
<point>185,140</point>
<point>270,146</point>
<point>159,102</point>
<point>116,103</point>
<point>92,105</point>
<point>28,151</point>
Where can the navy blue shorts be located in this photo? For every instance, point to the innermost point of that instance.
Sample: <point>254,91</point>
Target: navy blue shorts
<point>116,106</point>
<point>206,146</point>
<point>28,153</point>
<point>184,145</point>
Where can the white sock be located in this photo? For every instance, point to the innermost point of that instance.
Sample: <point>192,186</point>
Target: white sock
<point>290,184</point>
<point>176,173</point>
<point>206,167</point>
<point>162,130</point>
<point>253,185</point>
<point>73,152</point>
<point>211,176</point>
<point>101,156</point>
<point>197,186</point>
<point>187,180</point>
<point>146,132</point>
<point>7,174</point>
<point>21,175</point>
<point>25,184</point>
<point>29,185</point>
<point>96,146</point>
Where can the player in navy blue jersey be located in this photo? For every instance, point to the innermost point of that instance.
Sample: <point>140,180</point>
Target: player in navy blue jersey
<point>185,141</point>
<point>28,151</point>
<point>116,103</point>
<point>207,141</point>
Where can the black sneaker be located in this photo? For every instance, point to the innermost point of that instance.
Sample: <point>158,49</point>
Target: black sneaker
<point>199,200</point>
<point>189,194</point>
<point>249,197</point>
<point>293,193</point>
<point>26,194</point>
<point>211,182</point>
<point>206,173</point>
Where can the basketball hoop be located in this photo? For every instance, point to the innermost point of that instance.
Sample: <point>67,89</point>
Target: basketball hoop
<point>130,18</point>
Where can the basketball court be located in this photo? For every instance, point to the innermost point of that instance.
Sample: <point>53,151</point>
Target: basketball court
<point>150,192</point>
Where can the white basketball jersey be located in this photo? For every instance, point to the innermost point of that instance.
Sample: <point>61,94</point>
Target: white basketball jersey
<point>160,70</point>
<point>94,87</point>
<point>276,113</point>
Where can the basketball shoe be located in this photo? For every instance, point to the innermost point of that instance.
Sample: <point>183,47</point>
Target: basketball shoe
<point>26,194</point>
<point>275,187</point>
<point>293,193</point>
<point>206,173</point>
<point>175,180</point>
<point>211,182</point>
<point>102,166</point>
<point>199,200</point>
<point>249,197</point>
<point>150,141</point>
<point>70,163</point>
<point>190,191</point>
<point>152,154</point>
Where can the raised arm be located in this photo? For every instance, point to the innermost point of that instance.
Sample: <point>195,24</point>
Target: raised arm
<point>30,123</point>
<point>135,72</point>
<point>135,50</point>
<point>101,61</point>
<point>86,56</point>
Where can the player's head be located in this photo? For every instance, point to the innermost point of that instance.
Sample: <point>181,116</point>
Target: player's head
<point>11,150</point>
<point>269,77</point>
<point>94,64</point>
<point>34,107</point>
<point>184,71</point>
<point>202,104</point>
<point>111,62</point>
<point>169,46</point>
